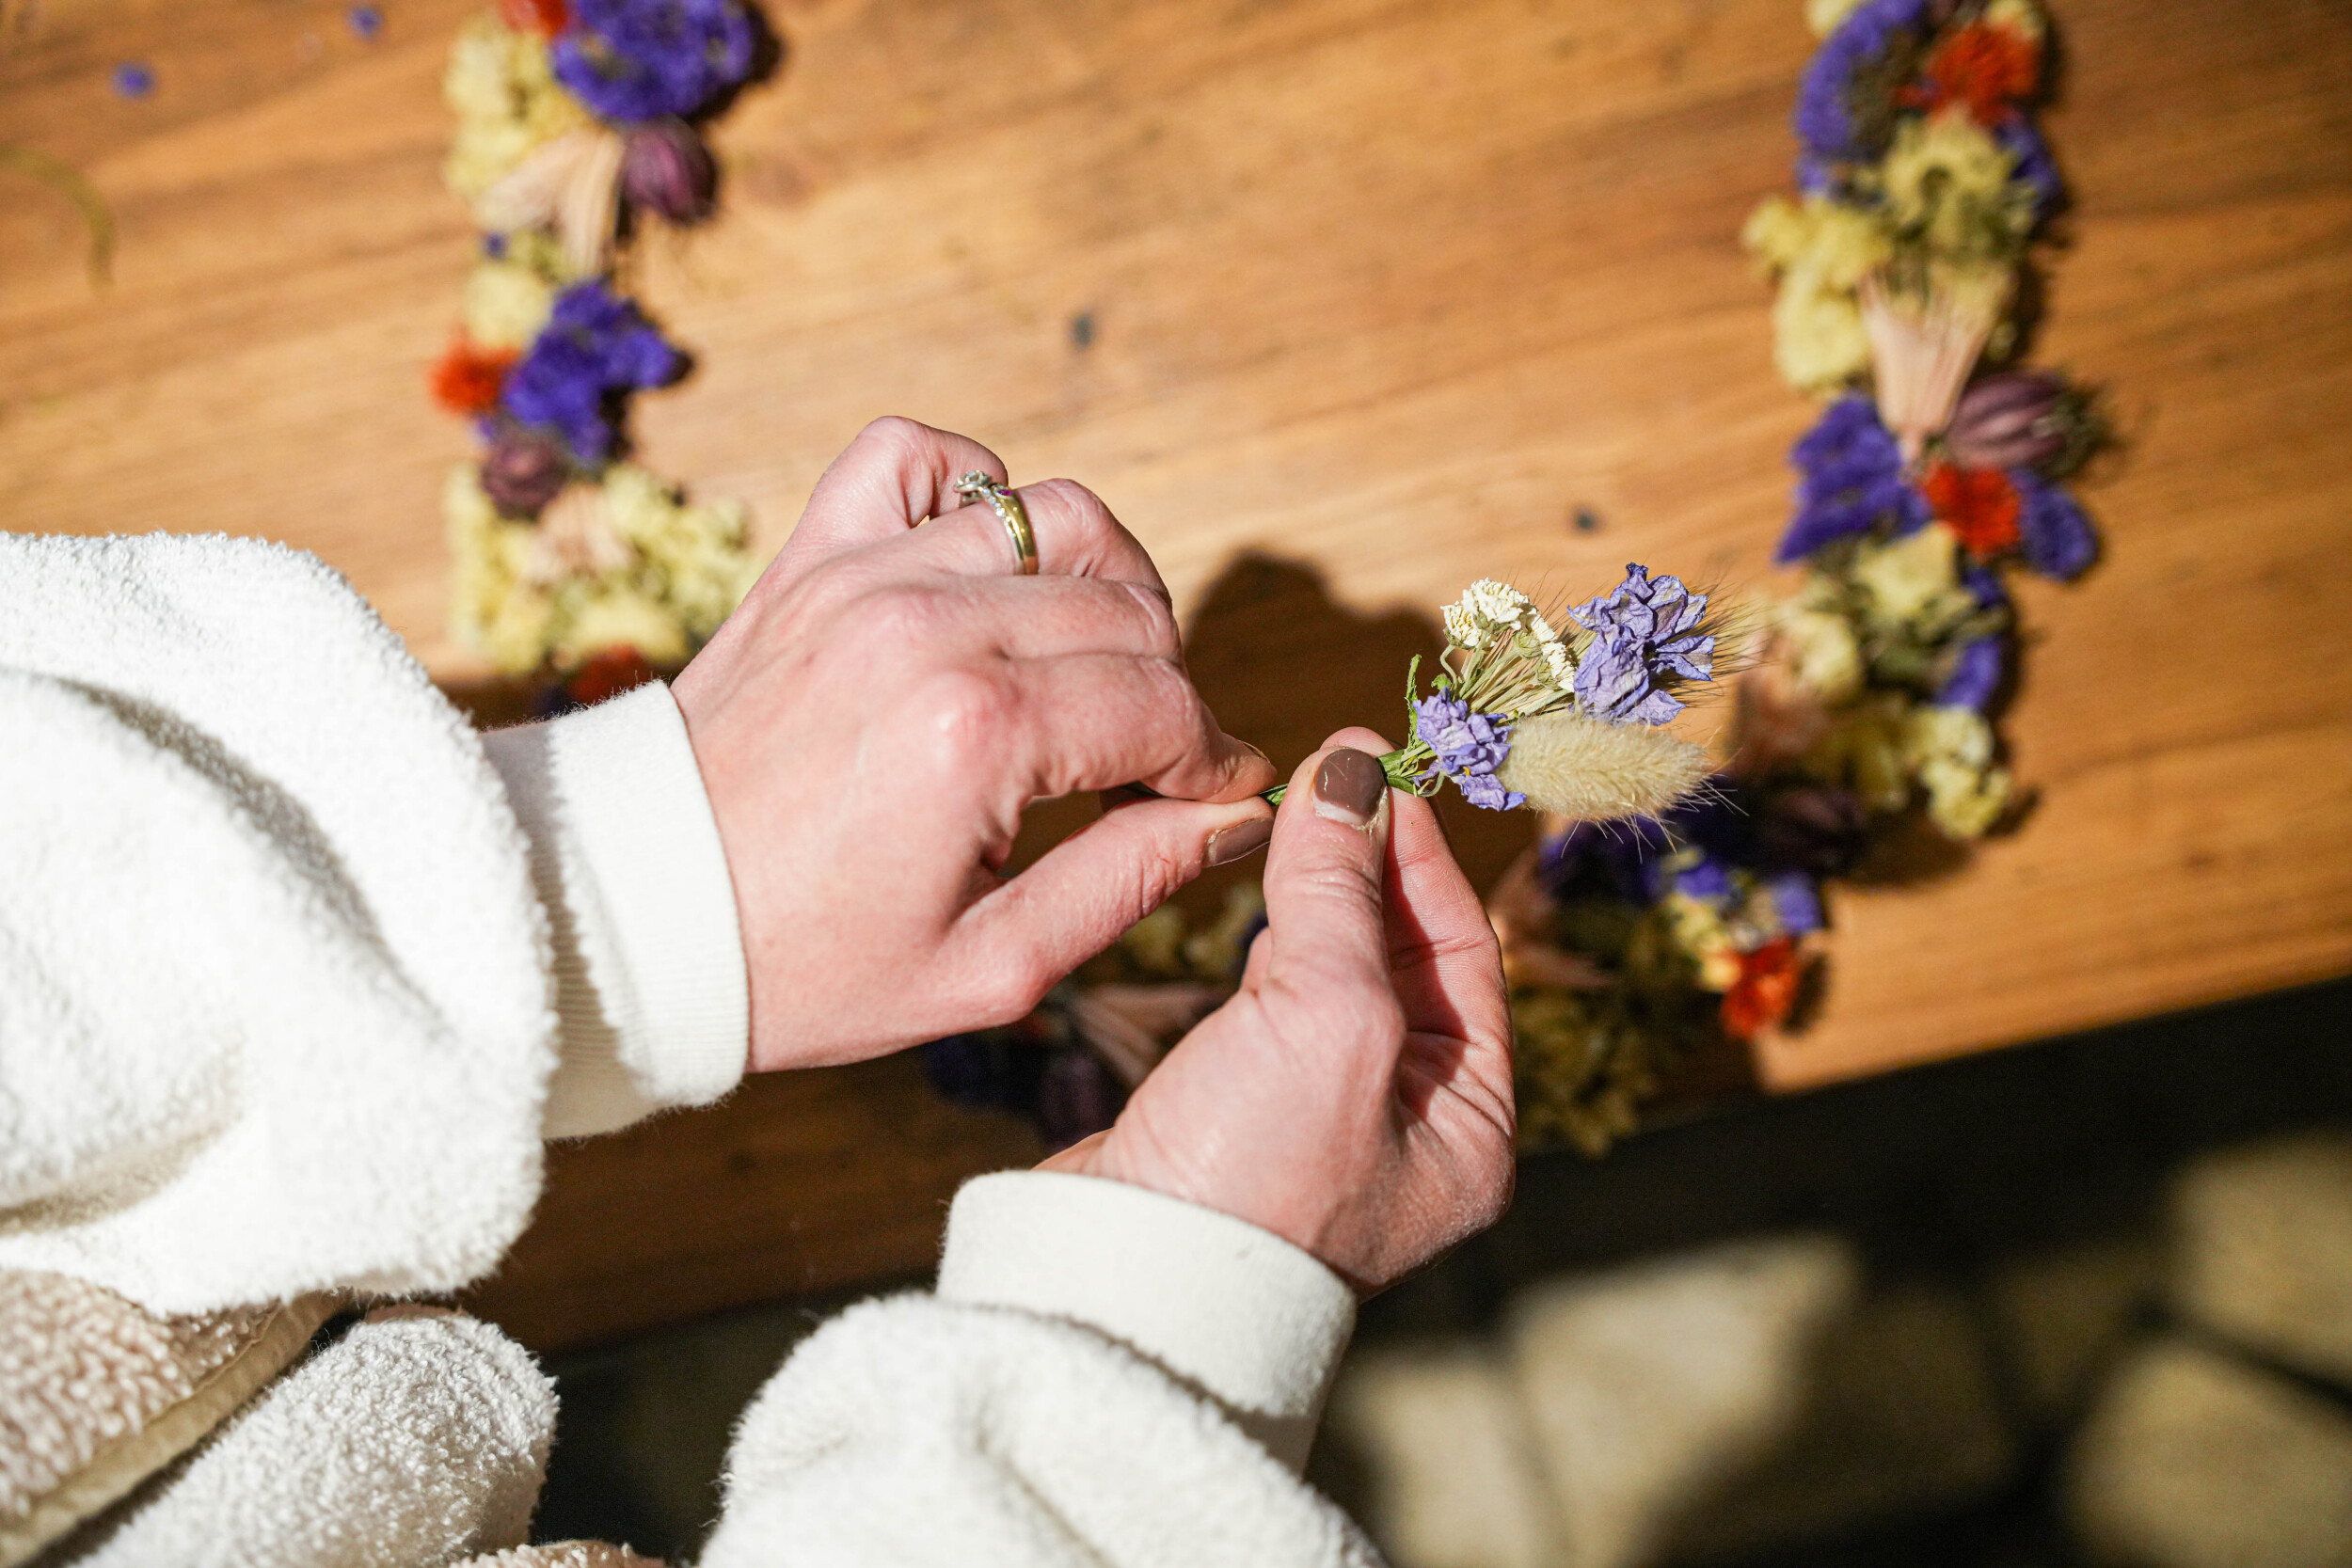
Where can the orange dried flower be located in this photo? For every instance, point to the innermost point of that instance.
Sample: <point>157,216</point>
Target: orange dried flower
<point>1766,990</point>
<point>1988,68</point>
<point>466,380</point>
<point>546,18</point>
<point>609,673</point>
<point>1979,504</point>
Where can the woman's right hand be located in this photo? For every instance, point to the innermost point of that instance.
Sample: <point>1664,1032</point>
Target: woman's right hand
<point>871,722</point>
<point>1354,1098</point>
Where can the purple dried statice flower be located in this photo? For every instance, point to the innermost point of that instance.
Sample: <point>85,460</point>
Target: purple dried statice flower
<point>1849,477</point>
<point>665,168</point>
<point>1797,901</point>
<point>1643,632</point>
<point>594,344</point>
<point>2031,164</point>
<point>2057,538</point>
<point>635,60</point>
<point>1976,676</point>
<point>1470,746</point>
<point>1709,880</point>
<point>1826,122</point>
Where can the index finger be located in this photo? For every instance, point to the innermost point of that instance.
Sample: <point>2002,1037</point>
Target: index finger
<point>895,475</point>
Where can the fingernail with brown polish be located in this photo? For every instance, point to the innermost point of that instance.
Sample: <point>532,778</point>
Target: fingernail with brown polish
<point>1227,845</point>
<point>1348,786</point>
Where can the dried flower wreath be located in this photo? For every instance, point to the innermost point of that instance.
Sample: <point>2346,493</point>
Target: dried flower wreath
<point>579,120</point>
<point>1636,936</point>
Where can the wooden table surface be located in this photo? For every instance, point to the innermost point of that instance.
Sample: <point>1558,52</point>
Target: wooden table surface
<point>1376,293</point>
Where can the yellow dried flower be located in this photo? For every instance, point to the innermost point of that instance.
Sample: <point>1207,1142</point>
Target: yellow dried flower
<point>1864,751</point>
<point>1951,751</point>
<point>1913,582</point>
<point>501,88</point>
<point>1946,185</point>
<point>1823,16</point>
<point>492,608</point>
<point>505,304</point>
<point>2020,17</point>
<point>1966,804</point>
<point>1824,656</point>
<point>1700,930</point>
<point>1821,250</point>
<point>613,614</point>
<point>1846,244</point>
<point>1819,344</point>
<point>694,555</point>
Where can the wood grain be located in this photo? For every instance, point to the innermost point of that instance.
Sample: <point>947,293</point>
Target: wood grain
<point>1382,290</point>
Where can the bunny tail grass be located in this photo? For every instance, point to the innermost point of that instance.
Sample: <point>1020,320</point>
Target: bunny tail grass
<point>1593,771</point>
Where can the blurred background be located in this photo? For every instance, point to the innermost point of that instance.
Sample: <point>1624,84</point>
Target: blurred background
<point>1341,304</point>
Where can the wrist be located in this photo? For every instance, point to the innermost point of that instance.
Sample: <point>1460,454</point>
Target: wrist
<point>1234,1312</point>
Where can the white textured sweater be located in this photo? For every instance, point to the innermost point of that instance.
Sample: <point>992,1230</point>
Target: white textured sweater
<point>296,973</point>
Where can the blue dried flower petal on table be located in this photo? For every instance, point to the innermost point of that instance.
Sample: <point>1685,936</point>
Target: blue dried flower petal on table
<point>1849,477</point>
<point>2057,538</point>
<point>595,343</point>
<point>1824,117</point>
<point>1976,676</point>
<point>1797,900</point>
<point>2033,164</point>
<point>637,60</point>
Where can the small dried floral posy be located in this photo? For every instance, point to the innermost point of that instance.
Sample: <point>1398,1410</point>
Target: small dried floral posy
<point>1560,719</point>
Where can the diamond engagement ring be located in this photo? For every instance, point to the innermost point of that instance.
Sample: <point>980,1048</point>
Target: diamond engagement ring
<point>977,485</point>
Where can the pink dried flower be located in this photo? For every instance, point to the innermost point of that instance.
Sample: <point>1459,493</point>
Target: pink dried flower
<point>665,168</point>
<point>522,471</point>
<point>2009,421</point>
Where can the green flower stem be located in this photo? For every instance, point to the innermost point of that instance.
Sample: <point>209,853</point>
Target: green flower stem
<point>1402,767</point>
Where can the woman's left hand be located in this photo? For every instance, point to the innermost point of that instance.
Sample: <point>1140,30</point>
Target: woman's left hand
<point>873,719</point>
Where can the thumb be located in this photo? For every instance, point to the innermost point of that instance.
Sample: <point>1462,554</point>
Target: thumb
<point>1325,872</point>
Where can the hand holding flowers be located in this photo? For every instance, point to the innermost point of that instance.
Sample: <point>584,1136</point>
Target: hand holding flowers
<point>873,719</point>
<point>1353,1097</point>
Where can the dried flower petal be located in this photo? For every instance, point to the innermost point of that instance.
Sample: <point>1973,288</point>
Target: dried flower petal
<point>1468,746</point>
<point>1849,480</point>
<point>1980,506</point>
<point>2008,421</point>
<point>2059,539</point>
<point>635,60</point>
<point>1644,633</point>
<point>667,169</point>
<point>595,344</point>
<point>523,471</point>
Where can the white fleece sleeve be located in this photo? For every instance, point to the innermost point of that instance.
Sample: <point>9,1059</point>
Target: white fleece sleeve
<point>275,984</point>
<point>1096,1381</point>
<point>649,978</point>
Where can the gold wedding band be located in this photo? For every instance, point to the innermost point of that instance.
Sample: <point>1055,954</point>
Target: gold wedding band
<point>977,485</point>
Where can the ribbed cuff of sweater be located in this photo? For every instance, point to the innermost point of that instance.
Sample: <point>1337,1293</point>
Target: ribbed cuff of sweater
<point>649,981</point>
<point>1233,1311</point>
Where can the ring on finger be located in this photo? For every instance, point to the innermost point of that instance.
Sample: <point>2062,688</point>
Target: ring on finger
<point>977,485</point>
